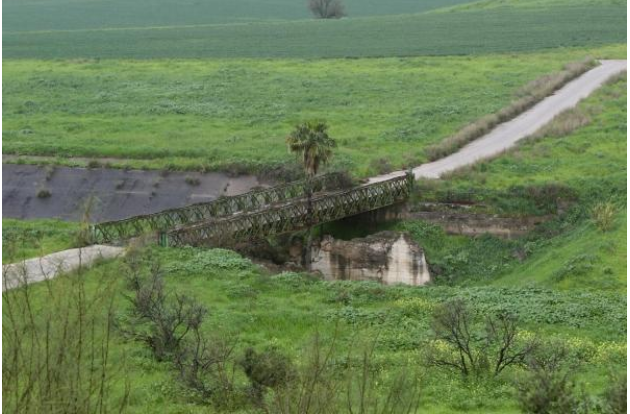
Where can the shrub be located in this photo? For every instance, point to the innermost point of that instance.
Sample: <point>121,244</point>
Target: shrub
<point>94,164</point>
<point>318,386</point>
<point>193,181</point>
<point>326,9</point>
<point>156,320</point>
<point>44,193</point>
<point>206,366</point>
<point>56,347</point>
<point>268,369</point>
<point>603,215</point>
<point>381,166</point>
<point>616,396</point>
<point>548,388</point>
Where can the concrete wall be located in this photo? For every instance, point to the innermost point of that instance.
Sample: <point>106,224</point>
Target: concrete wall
<point>386,257</point>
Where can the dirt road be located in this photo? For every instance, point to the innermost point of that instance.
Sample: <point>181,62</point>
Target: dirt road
<point>509,133</point>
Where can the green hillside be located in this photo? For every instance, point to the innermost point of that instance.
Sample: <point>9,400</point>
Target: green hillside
<point>585,151</point>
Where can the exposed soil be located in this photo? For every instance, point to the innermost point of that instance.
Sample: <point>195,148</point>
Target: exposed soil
<point>30,191</point>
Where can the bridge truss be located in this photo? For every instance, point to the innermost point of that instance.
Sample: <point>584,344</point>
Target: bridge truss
<point>290,216</point>
<point>113,231</point>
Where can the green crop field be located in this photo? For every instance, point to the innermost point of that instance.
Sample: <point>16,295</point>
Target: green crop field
<point>34,15</point>
<point>217,113</point>
<point>458,32</point>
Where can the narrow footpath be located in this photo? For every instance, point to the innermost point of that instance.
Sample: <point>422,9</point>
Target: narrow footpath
<point>54,264</point>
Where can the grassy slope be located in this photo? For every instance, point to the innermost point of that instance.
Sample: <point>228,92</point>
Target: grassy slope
<point>475,31</point>
<point>285,311</point>
<point>25,239</point>
<point>220,112</point>
<point>591,160</point>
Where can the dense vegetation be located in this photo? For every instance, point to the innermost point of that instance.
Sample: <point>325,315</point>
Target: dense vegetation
<point>220,113</point>
<point>284,312</point>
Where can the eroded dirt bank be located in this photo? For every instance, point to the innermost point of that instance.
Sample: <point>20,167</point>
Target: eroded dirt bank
<point>30,191</point>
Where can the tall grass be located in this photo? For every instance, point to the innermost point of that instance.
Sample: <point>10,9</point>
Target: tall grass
<point>56,348</point>
<point>530,95</point>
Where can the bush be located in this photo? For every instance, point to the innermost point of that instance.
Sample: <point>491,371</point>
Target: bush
<point>326,9</point>
<point>193,181</point>
<point>44,193</point>
<point>158,321</point>
<point>268,369</point>
<point>56,347</point>
<point>616,396</point>
<point>548,388</point>
<point>206,366</point>
<point>381,166</point>
<point>94,164</point>
<point>603,215</point>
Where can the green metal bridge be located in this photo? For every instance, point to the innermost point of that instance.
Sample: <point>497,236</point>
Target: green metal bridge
<point>258,214</point>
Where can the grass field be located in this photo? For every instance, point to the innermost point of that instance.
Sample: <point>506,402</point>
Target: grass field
<point>473,32</point>
<point>217,85</point>
<point>217,113</point>
<point>33,15</point>
<point>25,239</point>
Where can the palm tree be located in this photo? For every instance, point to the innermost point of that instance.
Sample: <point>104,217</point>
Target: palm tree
<point>311,143</point>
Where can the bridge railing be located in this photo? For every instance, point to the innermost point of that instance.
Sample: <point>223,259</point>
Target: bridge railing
<point>224,206</point>
<point>291,216</point>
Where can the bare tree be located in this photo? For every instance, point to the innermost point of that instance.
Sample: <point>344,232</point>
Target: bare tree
<point>326,9</point>
<point>471,351</point>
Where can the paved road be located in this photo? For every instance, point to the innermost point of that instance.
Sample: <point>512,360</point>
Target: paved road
<point>509,133</point>
<point>47,267</point>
